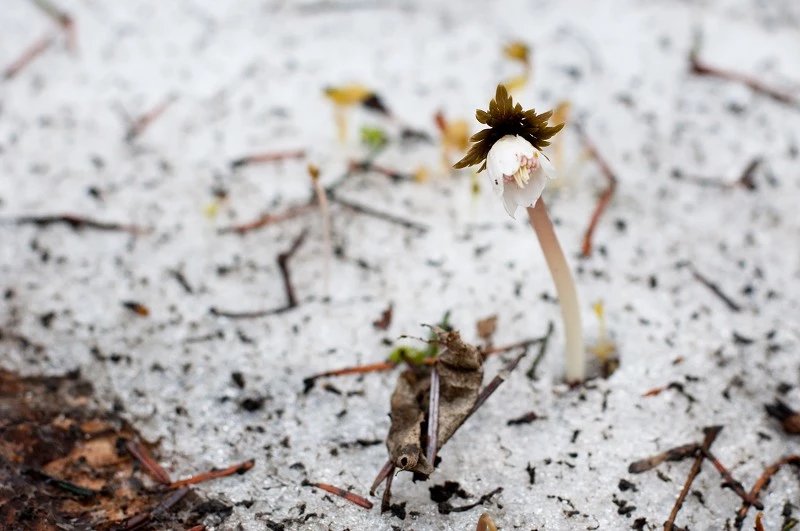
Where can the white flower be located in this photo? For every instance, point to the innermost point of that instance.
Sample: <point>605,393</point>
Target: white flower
<point>519,172</point>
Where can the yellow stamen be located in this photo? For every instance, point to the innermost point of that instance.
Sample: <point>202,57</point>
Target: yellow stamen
<point>522,176</point>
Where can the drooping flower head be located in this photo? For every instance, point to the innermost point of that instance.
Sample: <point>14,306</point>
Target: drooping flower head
<point>510,148</point>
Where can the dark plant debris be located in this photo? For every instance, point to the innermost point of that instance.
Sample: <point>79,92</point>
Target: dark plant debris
<point>67,463</point>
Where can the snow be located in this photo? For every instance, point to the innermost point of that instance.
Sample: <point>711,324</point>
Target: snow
<point>248,77</point>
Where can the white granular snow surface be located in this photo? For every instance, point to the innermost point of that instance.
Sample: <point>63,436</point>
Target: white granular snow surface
<point>248,77</point>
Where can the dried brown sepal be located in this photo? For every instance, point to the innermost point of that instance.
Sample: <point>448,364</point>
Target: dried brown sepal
<point>460,369</point>
<point>506,118</point>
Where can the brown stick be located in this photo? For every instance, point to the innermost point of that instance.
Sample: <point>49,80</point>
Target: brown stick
<point>368,165</point>
<point>241,468</point>
<point>378,214</point>
<point>673,454</point>
<point>291,299</point>
<point>77,222</point>
<point>605,196</point>
<point>269,219</point>
<point>701,68</point>
<point>169,501</point>
<point>716,290</point>
<point>386,499</point>
<point>63,19</point>
<point>763,481</point>
<point>386,470</point>
<point>711,434</point>
<point>143,122</point>
<point>28,55</point>
<point>151,466</point>
<point>347,495</point>
<point>263,158</point>
<point>737,487</point>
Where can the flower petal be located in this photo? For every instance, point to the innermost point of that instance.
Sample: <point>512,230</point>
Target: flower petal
<point>510,200</point>
<point>527,196</point>
<point>503,158</point>
<point>547,166</point>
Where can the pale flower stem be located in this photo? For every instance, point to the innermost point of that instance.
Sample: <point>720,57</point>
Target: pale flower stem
<point>322,199</point>
<point>565,289</point>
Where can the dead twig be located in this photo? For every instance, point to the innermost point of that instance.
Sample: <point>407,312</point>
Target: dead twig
<point>735,485</point>
<point>447,508</point>
<point>151,466</point>
<point>77,223</point>
<point>241,468</point>
<point>377,214</point>
<point>63,19</point>
<point>386,499</point>
<point>28,55</point>
<point>386,470</point>
<point>291,299</point>
<point>716,290</point>
<point>143,122</point>
<point>308,383</point>
<point>263,158</point>
<point>542,350</point>
<point>710,435</point>
<point>762,482</point>
<point>605,196</point>
<point>347,495</point>
<point>368,165</point>
<point>142,519</point>
<point>673,454</point>
<point>701,68</point>
<point>269,219</point>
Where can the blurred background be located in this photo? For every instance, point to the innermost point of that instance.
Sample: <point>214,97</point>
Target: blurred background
<point>157,154</point>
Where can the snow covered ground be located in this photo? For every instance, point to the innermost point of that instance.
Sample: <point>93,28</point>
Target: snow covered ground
<point>247,77</point>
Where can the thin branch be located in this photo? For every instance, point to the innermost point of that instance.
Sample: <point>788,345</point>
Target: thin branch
<point>711,434</point>
<point>605,196</point>
<point>386,470</point>
<point>28,55</point>
<point>716,290</point>
<point>387,492</point>
<point>347,495</point>
<point>763,481</point>
<point>735,485</point>
<point>492,387</point>
<point>542,350</point>
<point>263,158</point>
<point>241,468</point>
<point>151,466</point>
<point>143,122</point>
<point>142,519</point>
<point>368,165</point>
<point>76,222</point>
<point>446,508</point>
<point>63,19</point>
<point>378,214</point>
<point>269,219</point>
<point>291,299</point>
<point>702,68</point>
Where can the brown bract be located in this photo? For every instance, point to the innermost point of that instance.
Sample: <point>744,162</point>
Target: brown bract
<point>460,368</point>
<point>506,118</point>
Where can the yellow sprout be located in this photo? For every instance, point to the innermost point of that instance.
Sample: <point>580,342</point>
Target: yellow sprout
<point>517,51</point>
<point>605,348</point>
<point>343,97</point>
<point>348,95</point>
